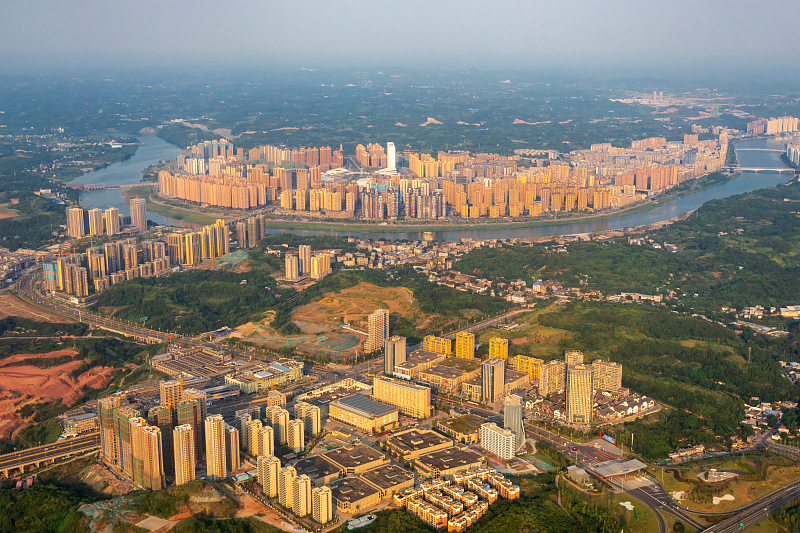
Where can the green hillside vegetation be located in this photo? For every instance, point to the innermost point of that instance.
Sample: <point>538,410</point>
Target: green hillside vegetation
<point>760,265</point>
<point>697,367</point>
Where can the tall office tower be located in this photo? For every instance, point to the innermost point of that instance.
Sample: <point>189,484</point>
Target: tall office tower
<point>512,418</point>
<point>498,348</point>
<point>253,429</point>
<point>579,394</point>
<point>138,214</point>
<point>493,379</point>
<point>286,477</point>
<point>107,416</point>
<point>301,495</point>
<point>148,458</point>
<point>465,345</point>
<point>305,259</point>
<point>377,330</point>
<point>75,226</point>
<point>161,417</point>
<point>412,400</point>
<point>552,377</point>
<point>216,466</point>
<point>311,417</point>
<point>292,268</point>
<point>279,420</point>
<point>232,456</point>
<point>391,159</point>
<point>95,222</point>
<point>268,467</point>
<point>573,357</point>
<point>295,435</point>
<point>266,441</point>
<point>322,504</point>
<point>170,392</point>
<point>607,375</point>
<point>241,234</point>
<point>111,221</point>
<point>124,436</point>
<point>185,455</point>
<point>394,353</point>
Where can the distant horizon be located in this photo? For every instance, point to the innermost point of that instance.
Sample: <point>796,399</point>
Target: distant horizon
<point>681,36</point>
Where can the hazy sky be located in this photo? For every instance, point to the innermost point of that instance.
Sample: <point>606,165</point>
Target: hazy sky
<point>378,34</point>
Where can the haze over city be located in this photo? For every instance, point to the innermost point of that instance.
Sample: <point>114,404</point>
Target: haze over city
<point>677,35</point>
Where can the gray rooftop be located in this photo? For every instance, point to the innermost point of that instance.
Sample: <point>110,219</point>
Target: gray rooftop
<point>365,406</point>
<point>615,468</point>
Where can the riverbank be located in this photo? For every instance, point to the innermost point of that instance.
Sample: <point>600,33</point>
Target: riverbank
<point>151,206</point>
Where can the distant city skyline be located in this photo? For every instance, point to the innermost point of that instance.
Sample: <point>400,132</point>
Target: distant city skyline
<point>449,35</point>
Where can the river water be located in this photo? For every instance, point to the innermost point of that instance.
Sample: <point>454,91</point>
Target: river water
<point>155,149</point>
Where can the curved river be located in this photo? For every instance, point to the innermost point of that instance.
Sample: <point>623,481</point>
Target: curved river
<point>155,149</point>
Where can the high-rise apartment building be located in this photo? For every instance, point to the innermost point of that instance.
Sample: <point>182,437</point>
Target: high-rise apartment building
<point>286,477</point>
<point>216,465</point>
<point>378,330</point>
<point>394,353</point>
<point>512,418</point>
<point>95,222</point>
<point>436,344</point>
<point>279,420</point>
<point>292,268</point>
<point>497,440</point>
<point>148,458</point>
<point>268,467</point>
<point>111,221</point>
<point>607,375</point>
<point>498,348</point>
<point>493,379</point>
<point>552,377</point>
<point>233,458</point>
<point>573,357</point>
<point>322,504</point>
<point>311,417</point>
<point>305,259</point>
<point>465,345</point>
<point>184,454</point>
<point>138,214</point>
<point>301,495</point>
<point>161,417</point>
<point>75,226</point>
<point>295,435</point>
<point>412,400</point>
<point>266,441</point>
<point>530,365</point>
<point>253,428</point>
<point>391,158</point>
<point>579,394</point>
<point>171,392</point>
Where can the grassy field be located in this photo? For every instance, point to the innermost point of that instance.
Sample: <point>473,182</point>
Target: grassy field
<point>7,212</point>
<point>354,304</point>
<point>670,522</point>
<point>540,341</point>
<point>640,520</point>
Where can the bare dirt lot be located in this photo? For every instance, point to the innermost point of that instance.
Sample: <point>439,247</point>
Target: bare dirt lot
<point>354,304</point>
<point>20,385</point>
<point>10,305</point>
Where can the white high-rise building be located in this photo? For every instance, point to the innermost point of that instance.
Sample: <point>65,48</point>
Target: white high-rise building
<point>216,460</point>
<point>579,394</point>
<point>295,435</point>
<point>183,446</point>
<point>266,441</point>
<point>301,495</point>
<point>394,353</point>
<point>377,330</point>
<point>286,477</point>
<point>305,259</point>
<point>499,441</point>
<point>322,504</point>
<point>391,159</point>
<point>268,467</point>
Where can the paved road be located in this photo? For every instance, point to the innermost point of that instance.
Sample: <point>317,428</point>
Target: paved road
<point>50,451</point>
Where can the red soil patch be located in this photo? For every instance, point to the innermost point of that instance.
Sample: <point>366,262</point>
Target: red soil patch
<point>10,305</point>
<point>42,385</point>
<point>521,340</point>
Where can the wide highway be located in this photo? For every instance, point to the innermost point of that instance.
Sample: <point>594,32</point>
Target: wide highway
<point>50,451</point>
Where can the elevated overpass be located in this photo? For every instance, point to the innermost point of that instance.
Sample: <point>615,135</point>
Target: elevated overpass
<point>17,462</point>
